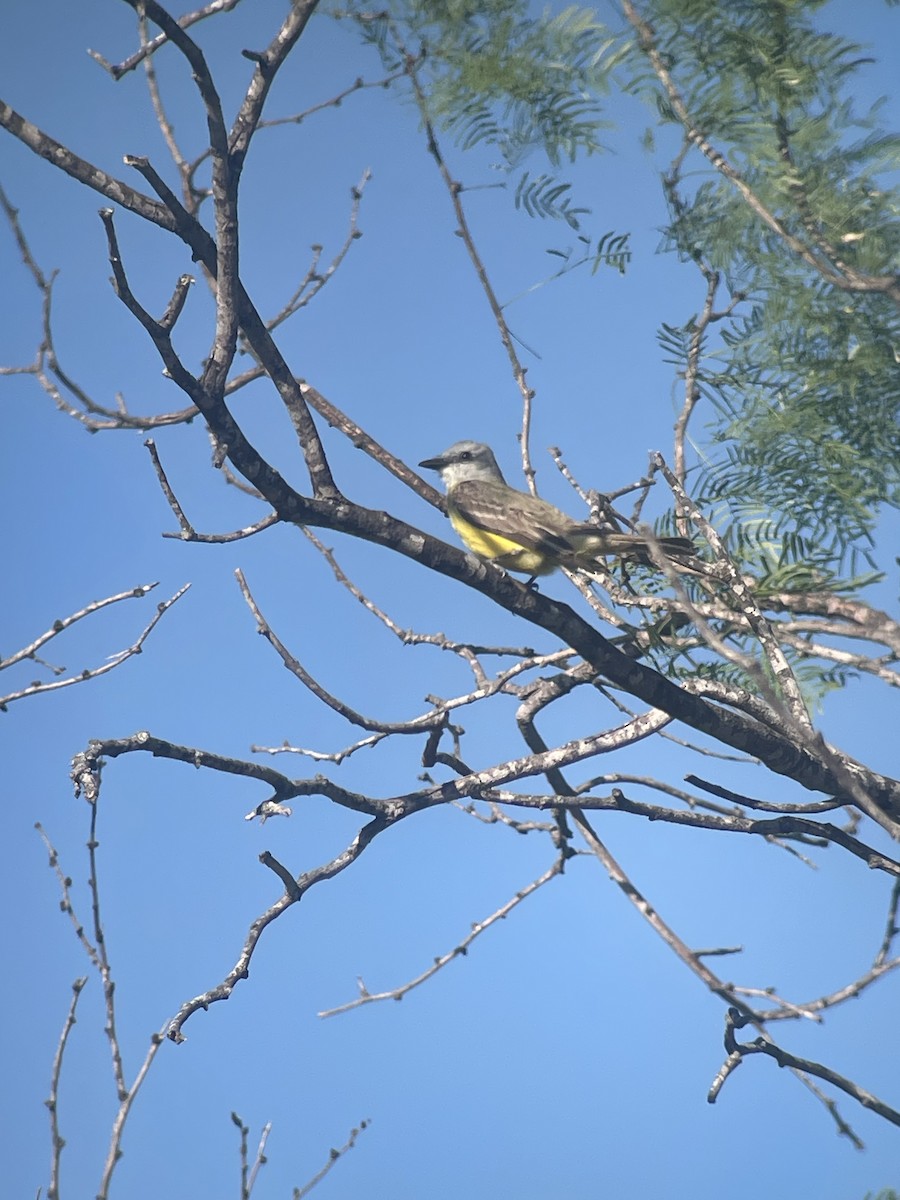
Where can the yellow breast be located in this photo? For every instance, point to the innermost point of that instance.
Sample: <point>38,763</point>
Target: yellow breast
<point>501,550</point>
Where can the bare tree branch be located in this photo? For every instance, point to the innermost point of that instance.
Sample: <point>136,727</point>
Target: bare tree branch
<point>299,1193</point>
<point>737,1020</point>
<point>455,190</point>
<point>98,956</point>
<point>150,47</point>
<point>115,660</point>
<point>462,948</point>
<point>57,1141</point>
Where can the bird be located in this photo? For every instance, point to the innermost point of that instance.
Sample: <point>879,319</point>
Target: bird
<point>521,532</point>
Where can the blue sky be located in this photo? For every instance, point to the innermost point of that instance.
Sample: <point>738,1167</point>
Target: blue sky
<point>569,1052</point>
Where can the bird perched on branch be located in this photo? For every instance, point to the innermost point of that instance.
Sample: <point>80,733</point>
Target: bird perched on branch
<point>521,532</point>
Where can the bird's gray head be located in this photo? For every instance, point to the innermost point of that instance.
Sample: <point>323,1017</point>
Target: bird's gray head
<point>464,462</point>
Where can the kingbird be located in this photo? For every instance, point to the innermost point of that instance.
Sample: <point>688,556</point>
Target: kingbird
<point>521,532</point>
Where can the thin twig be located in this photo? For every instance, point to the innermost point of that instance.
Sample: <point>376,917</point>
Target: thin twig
<point>188,533</point>
<point>427,721</point>
<point>250,1174</point>
<point>891,928</point>
<point>455,190</point>
<point>462,948</point>
<point>151,46</point>
<point>359,85</point>
<point>761,1045</point>
<point>165,126</point>
<point>727,992</point>
<point>315,280</point>
<point>118,1128</point>
<point>63,623</point>
<point>299,1193</point>
<point>103,963</point>
<point>57,1142</point>
<point>115,660</point>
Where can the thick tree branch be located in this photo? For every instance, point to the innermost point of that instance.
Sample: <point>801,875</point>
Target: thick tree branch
<point>83,171</point>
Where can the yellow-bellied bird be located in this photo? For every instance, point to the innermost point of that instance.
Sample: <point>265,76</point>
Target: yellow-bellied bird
<point>521,532</point>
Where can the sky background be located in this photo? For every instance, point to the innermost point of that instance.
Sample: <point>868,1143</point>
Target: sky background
<point>570,1052</point>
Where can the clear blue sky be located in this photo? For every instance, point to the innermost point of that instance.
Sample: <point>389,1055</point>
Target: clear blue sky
<point>570,1052</point>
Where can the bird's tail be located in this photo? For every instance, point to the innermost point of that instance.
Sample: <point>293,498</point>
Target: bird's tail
<point>597,544</point>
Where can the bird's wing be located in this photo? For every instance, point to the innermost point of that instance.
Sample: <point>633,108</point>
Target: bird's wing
<point>524,519</point>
